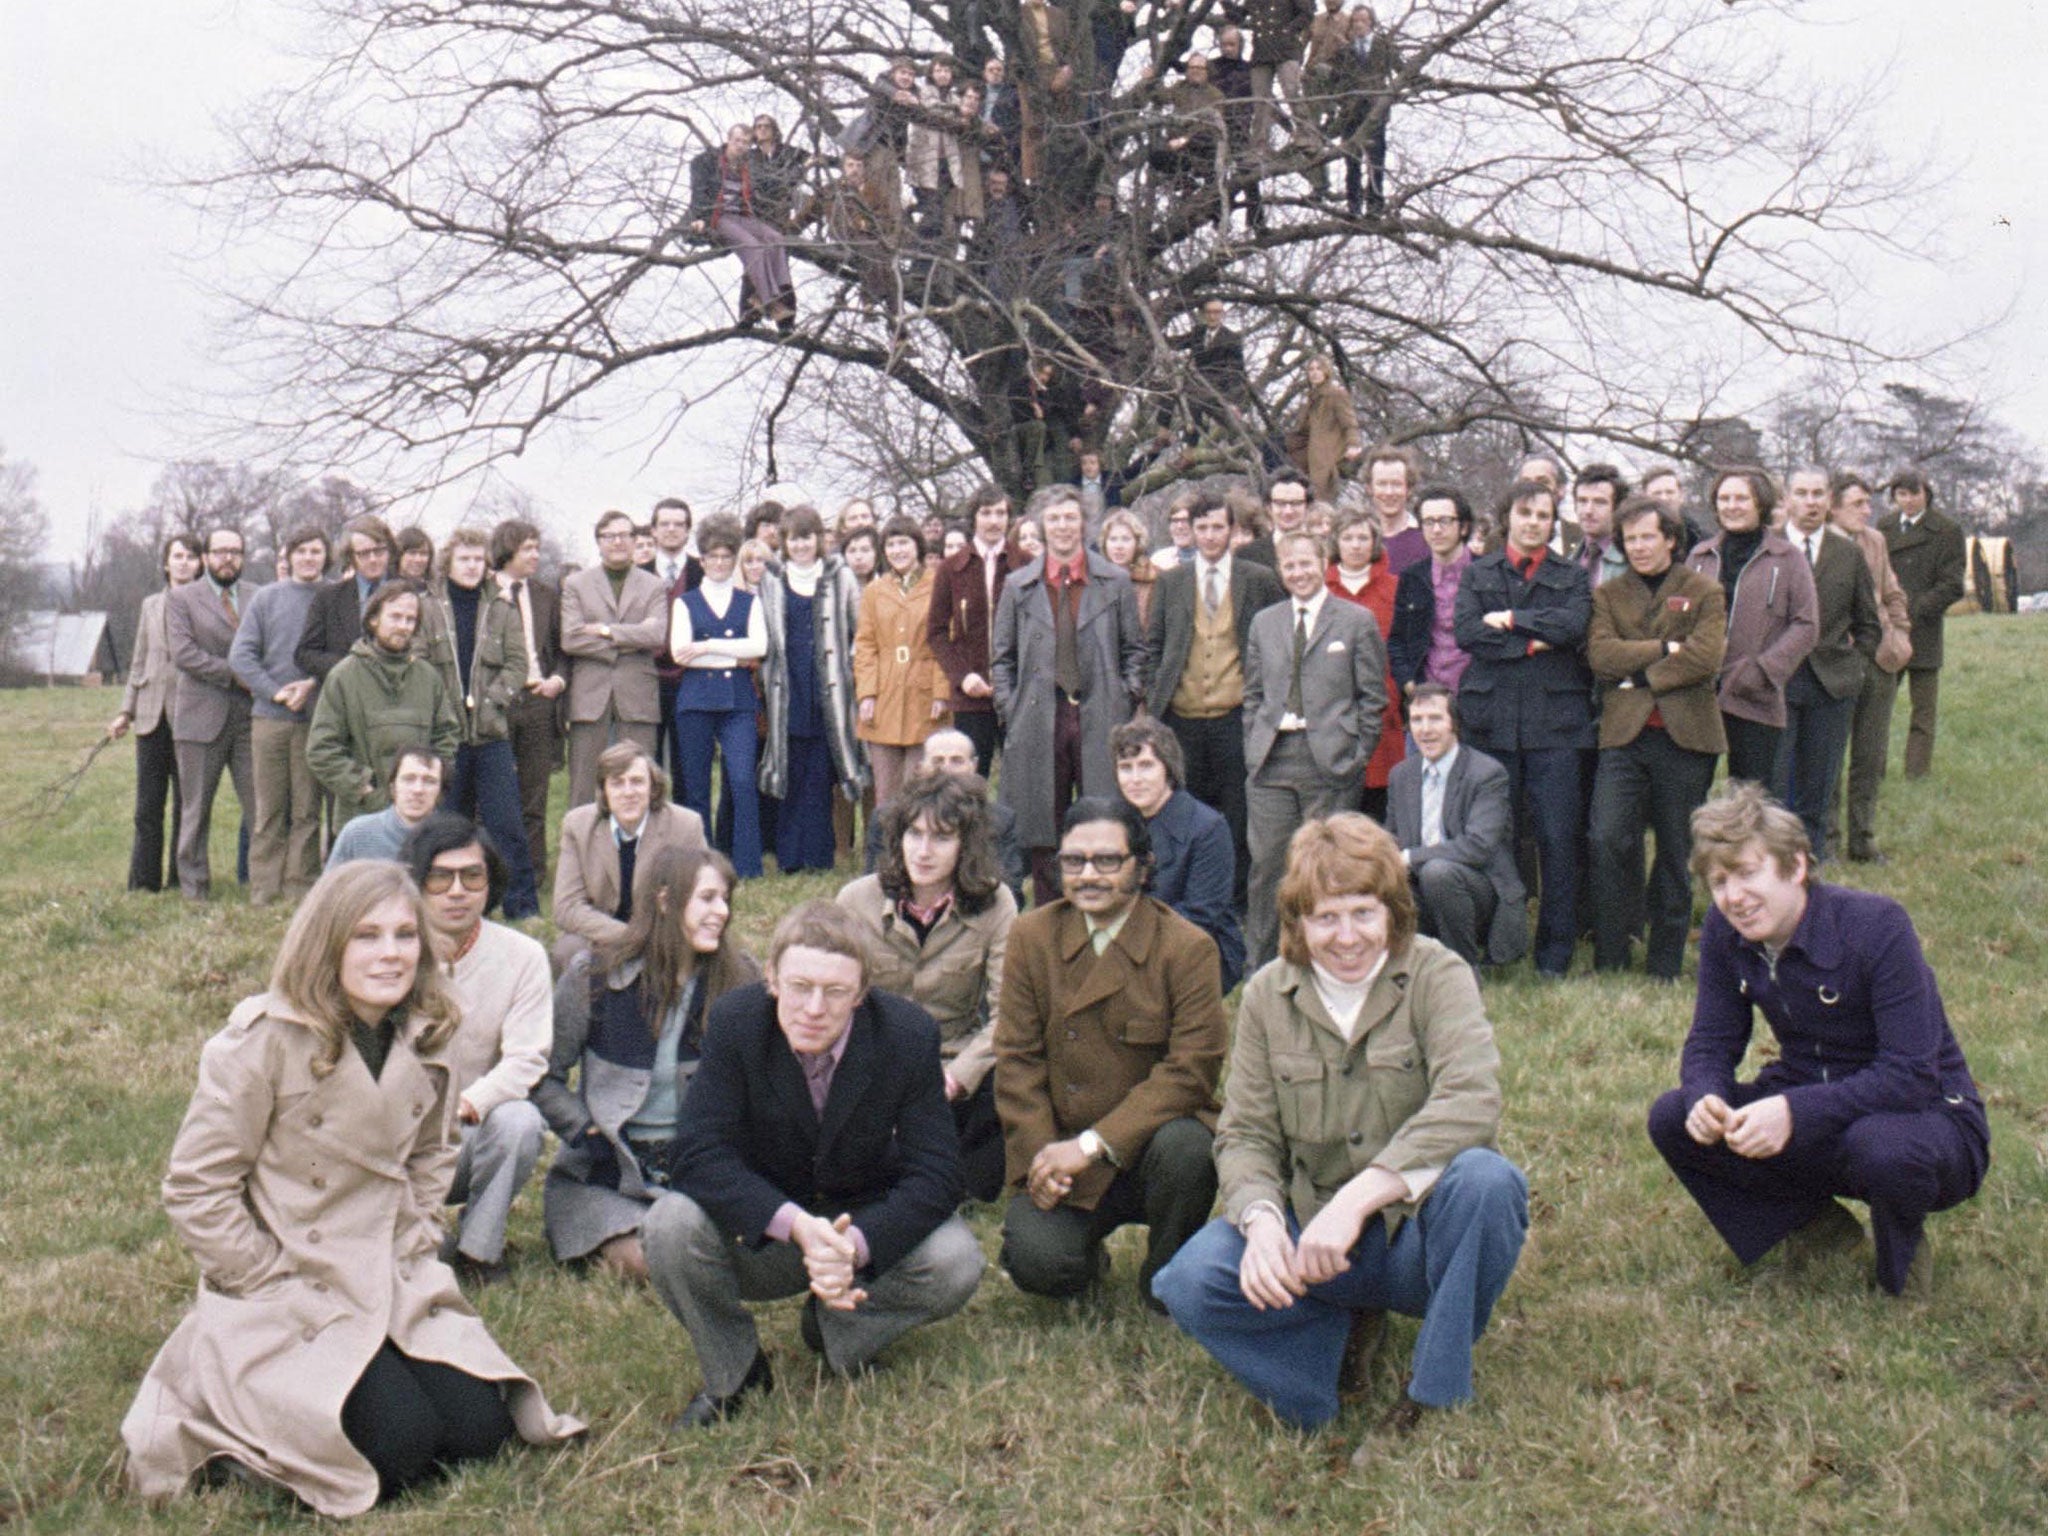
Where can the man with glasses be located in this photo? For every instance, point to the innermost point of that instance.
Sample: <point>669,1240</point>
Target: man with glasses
<point>614,622</point>
<point>815,1153</point>
<point>210,711</point>
<point>1109,1040</point>
<point>1286,510</point>
<point>334,621</point>
<point>501,979</point>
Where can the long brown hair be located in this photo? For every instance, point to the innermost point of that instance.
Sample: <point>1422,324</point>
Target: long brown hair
<point>307,974</point>
<point>956,803</point>
<point>662,886</point>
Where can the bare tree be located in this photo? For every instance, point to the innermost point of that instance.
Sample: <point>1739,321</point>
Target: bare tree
<point>1598,217</point>
<point>23,530</point>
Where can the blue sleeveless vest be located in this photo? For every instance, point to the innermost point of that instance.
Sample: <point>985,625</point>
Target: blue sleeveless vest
<point>718,690</point>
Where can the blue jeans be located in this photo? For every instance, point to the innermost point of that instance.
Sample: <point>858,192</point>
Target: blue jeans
<point>1447,1266</point>
<point>732,732</point>
<point>486,788</point>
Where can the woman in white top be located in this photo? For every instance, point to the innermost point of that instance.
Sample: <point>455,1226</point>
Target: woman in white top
<point>715,631</point>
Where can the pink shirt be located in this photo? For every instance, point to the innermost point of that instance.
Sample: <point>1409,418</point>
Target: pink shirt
<point>1446,662</point>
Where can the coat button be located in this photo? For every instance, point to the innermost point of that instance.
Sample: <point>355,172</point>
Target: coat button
<point>319,1181</point>
<point>313,1235</point>
<point>309,1333</point>
<point>1356,1138</point>
<point>1347,1069</point>
<point>434,1310</point>
<point>1073,1034</point>
<point>418,1110</point>
<point>320,1286</point>
<point>315,1121</point>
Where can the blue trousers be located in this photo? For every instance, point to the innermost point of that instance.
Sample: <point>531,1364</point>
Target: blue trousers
<point>486,788</point>
<point>1810,757</point>
<point>1447,1266</point>
<point>1543,786</point>
<point>803,827</point>
<point>732,732</point>
<point>1903,1164</point>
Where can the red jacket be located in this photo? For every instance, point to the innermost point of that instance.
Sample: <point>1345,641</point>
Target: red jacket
<point>1377,597</point>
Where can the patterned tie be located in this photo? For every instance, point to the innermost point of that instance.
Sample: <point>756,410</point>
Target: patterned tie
<point>1213,598</point>
<point>1300,646</point>
<point>227,602</point>
<point>1432,805</point>
<point>1813,549</point>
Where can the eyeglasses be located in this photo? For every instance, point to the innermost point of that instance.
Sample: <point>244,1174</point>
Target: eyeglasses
<point>439,881</point>
<point>616,537</point>
<point>1439,522</point>
<point>835,995</point>
<point>1288,501</point>
<point>1104,863</point>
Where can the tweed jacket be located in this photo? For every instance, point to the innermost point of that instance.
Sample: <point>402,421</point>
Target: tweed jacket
<point>311,1205</point>
<point>960,619</point>
<point>497,667</point>
<point>1633,624</point>
<point>1772,624</point>
<point>1122,1042</point>
<point>955,975</point>
<point>615,674</point>
<point>587,864</point>
<point>1325,431</point>
<point>835,615</point>
<point>1932,562</point>
<point>207,693</point>
<point>1895,644</point>
<point>1111,649</point>
<point>1512,700</point>
<point>884,1152</point>
<point>893,662</point>
<point>1171,633</point>
<point>1478,833</point>
<point>1850,624</point>
<point>152,676</point>
<point>1306,1112</point>
<point>1343,685</point>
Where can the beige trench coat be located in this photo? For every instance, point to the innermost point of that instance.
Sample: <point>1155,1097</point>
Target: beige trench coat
<point>311,1205</point>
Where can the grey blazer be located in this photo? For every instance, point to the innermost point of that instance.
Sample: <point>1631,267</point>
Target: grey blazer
<point>147,699</point>
<point>208,693</point>
<point>1343,685</point>
<point>1253,587</point>
<point>615,674</point>
<point>1478,833</point>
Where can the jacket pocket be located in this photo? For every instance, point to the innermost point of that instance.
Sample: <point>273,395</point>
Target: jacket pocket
<point>1145,1029</point>
<point>1301,1093</point>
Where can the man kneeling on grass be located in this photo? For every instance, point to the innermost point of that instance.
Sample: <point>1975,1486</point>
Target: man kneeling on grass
<point>815,1152</point>
<point>1870,1097</point>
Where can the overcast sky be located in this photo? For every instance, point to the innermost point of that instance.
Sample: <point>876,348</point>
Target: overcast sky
<point>101,326</point>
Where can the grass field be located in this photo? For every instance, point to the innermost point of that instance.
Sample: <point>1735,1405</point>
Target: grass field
<point>1633,1381</point>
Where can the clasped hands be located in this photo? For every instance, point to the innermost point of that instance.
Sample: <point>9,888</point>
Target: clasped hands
<point>1276,1269</point>
<point>831,1258</point>
<point>1759,1129</point>
<point>1053,1172</point>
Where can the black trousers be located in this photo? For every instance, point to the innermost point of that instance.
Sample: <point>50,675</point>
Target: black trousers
<point>979,726</point>
<point>156,780</point>
<point>981,1141</point>
<point>1752,750</point>
<point>1172,1187</point>
<point>1214,750</point>
<point>413,1418</point>
<point>1653,785</point>
<point>536,737</point>
<point>667,751</point>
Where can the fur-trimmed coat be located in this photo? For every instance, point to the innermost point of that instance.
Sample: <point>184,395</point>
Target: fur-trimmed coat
<point>836,613</point>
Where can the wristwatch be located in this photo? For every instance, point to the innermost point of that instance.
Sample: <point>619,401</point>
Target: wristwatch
<point>1093,1146</point>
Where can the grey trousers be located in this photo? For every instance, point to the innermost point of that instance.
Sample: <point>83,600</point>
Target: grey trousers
<point>706,1279</point>
<point>498,1157</point>
<point>1286,790</point>
<point>1924,686</point>
<point>200,764</point>
<point>587,741</point>
<point>284,838</point>
<point>1454,904</point>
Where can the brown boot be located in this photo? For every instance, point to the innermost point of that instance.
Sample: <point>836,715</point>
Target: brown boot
<point>1361,1348</point>
<point>1386,1436</point>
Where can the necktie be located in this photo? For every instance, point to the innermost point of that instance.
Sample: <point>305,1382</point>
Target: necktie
<point>1066,658</point>
<point>1813,549</point>
<point>818,1078</point>
<point>1300,646</point>
<point>1432,805</point>
<point>227,601</point>
<point>1213,598</point>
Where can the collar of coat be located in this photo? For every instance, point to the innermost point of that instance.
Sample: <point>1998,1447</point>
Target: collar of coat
<point>1298,982</point>
<point>1135,939</point>
<point>1100,569</point>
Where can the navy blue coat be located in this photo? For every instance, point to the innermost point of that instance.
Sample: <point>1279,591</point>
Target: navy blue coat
<point>1510,700</point>
<point>1414,619</point>
<point>1857,1014</point>
<point>885,1151</point>
<point>1194,867</point>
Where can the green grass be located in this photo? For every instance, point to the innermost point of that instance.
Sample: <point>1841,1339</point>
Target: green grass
<point>1633,1380</point>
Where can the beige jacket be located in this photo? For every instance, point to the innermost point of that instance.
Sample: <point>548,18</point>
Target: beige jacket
<point>507,995</point>
<point>1304,1113</point>
<point>147,699</point>
<point>956,976</point>
<point>311,1205</point>
<point>893,663</point>
<point>587,865</point>
<point>1894,614</point>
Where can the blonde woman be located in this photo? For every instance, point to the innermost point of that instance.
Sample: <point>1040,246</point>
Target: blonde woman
<point>329,1351</point>
<point>1123,543</point>
<point>901,687</point>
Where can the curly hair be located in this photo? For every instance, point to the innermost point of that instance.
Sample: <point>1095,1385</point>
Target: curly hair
<point>951,802</point>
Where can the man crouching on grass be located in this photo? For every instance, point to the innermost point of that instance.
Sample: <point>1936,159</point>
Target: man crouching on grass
<point>1870,1098</point>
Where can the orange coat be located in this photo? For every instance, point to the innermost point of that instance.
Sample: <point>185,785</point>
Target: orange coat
<point>893,663</point>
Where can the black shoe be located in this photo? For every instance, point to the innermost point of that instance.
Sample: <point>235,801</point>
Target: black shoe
<point>1361,1348</point>
<point>1400,1423</point>
<point>477,1274</point>
<point>1867,856</point>
<point>706,1409</point>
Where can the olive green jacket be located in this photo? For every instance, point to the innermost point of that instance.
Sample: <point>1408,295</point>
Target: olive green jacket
<point>1304,1113</point>
<point>370,706</point>
<point>497,669</point>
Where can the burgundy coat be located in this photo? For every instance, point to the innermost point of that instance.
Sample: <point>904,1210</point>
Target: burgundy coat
<point>958,623</point>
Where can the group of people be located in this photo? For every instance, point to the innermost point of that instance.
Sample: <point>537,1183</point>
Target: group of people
<point>1181,785</point>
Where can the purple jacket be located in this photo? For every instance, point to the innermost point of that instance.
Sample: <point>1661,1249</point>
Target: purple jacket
<point>1855,1008</point>
<point>1773,623</point>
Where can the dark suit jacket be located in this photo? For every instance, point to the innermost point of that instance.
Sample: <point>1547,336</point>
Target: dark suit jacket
<point>1510,700</point>
<point>1931,561</point>
<point>688,579</point>
<point>333,623</point>
<point>1478,833</point>
<point>1219,360</point>
<point>1850,625</point>
<point>1172,630</point>
<point>1408,636</point>
<point>207,693</point>
<point>960,617</point>
<point>1259,551</point>
<point>1194,868</point>
<point>885,1151</point>
<point>547,626</point>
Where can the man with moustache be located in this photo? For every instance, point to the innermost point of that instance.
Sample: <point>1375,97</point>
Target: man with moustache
<point>1109,1041</point>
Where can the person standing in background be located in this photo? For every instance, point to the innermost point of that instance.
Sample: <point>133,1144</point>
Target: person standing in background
<point>210,710</point>
<point>284,844</point>
<point>1932,561</point>
<point>146,709</point>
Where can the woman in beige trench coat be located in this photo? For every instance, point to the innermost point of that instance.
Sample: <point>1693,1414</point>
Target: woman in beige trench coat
<point>329,1350</point>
